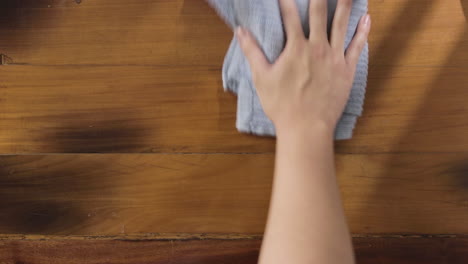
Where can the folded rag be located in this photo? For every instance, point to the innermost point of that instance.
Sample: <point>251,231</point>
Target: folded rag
<point>263,19</point>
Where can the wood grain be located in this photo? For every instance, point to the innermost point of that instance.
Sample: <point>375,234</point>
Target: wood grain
<point>93,194</point>
<point>123,106</point>
<point>118,109</point>
<point>145,92</point>
<point>154,32</point>
<point>135,77</point>
<point>151,109</point>
<point>368,250</point>
<point>177,32</point>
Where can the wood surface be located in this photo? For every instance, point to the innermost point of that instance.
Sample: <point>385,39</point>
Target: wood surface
<point>65,109</point>
<point>369,250</point>
<point>114,123</point>
<point>188,32</point>
<point>149,79</point>
<point>112,194</point>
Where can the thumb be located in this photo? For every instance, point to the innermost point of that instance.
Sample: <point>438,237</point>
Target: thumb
<point>257,60</point>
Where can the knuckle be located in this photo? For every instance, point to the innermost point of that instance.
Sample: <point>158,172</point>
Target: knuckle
<point>294,45</point>
<point>338,60</point>
<point>319,51</point>
<point>300,45</point>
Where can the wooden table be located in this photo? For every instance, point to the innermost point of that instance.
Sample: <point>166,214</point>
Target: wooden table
<point>118,143</point>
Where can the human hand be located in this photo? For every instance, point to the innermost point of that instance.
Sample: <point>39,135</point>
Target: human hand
<point>310,82</point>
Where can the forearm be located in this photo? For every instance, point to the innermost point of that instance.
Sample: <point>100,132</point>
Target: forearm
<point>310,82</point>
<point>306,223</point>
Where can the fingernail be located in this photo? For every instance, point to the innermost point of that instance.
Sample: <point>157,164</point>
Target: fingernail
<point>367,20</point>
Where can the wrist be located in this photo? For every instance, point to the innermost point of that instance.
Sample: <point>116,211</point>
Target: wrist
<point>317,130</point>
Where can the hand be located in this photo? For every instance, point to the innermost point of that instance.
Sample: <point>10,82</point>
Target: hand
<point>311,81</point>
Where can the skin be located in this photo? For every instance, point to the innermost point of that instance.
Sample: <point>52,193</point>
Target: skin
<point>304,93</point>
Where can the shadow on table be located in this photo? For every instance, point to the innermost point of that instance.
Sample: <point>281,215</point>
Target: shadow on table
<point>436,104</point>
<point>25,24</point>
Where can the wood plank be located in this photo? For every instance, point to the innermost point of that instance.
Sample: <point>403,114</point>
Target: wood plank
<point>368,250</point>
<point>411,250</point>
<point>118,109</point>
<point>154,32</point>
<point>115,194</point>
<point>421,32</point>
<point>57,109</point>
<point>408,109</point>
<point>413,110</point>
<point>177,32</point>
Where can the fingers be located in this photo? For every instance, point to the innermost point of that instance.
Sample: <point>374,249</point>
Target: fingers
<point>359,41</point>
<point>291,19</point>
<point>340,24</point>
<point>255,56</point>
<point>318,20</point>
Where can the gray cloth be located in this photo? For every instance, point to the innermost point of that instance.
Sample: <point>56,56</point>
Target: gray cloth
<point>263,19</point>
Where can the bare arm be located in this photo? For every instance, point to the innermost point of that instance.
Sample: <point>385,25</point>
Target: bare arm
<point>304,93</point>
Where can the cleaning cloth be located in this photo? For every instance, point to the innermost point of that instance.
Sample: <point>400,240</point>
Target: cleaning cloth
<point>263,19</point>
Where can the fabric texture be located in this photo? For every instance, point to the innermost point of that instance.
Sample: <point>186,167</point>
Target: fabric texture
<point>263,19</point>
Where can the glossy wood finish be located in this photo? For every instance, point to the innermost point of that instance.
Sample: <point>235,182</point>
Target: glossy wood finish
<point>86,194</point>
<point>140,83</point>
<point>148,79</point>
<point>368,251</point>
